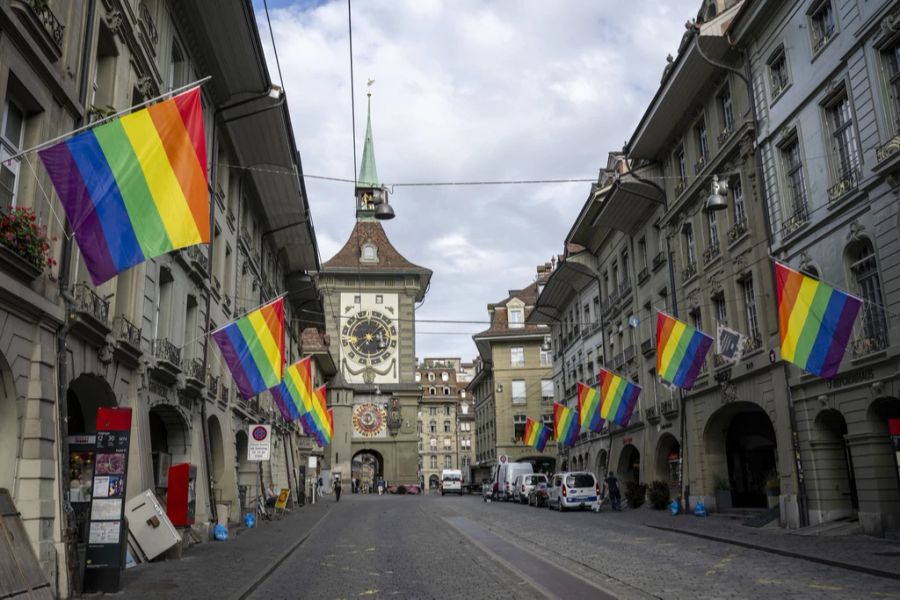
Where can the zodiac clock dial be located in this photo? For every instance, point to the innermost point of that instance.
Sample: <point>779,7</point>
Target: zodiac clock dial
<point>369,337</point>
<point>369,419</point>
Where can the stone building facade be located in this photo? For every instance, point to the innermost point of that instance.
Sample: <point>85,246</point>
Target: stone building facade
<point>439,420</point>
<point>139,340</point>
<point>512,381</point>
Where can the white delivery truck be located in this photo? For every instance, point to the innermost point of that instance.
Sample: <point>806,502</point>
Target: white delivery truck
<point>451,481</point>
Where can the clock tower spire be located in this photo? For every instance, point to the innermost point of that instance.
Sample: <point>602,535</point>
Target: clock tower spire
<point>371,196</point>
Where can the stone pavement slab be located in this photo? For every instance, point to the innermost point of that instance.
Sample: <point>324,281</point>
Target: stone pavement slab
<point>224,569</point>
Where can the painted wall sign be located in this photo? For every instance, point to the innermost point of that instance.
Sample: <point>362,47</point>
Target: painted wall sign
<point>850,379</point>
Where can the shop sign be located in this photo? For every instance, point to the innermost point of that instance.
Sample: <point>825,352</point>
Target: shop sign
<point>850,379</point>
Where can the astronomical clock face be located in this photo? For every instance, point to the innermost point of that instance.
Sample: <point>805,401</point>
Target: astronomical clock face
<point>369,338</point>
<point>369,420</point>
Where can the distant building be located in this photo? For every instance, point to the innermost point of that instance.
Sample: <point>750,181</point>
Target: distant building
<point>438,419</point>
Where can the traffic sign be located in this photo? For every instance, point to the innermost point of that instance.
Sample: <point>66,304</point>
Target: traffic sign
<point>259,446</point>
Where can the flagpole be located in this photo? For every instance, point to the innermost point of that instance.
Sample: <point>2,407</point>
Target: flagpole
<point>116,115</point>
<point>275,299</point>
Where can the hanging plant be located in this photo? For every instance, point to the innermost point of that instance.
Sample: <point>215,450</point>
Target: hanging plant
<point>21,233</point>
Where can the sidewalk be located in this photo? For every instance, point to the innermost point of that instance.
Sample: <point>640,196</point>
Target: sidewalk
<point>858,552</point>
<point>224,569</point>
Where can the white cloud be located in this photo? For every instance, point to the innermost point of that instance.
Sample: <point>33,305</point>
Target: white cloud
<point>470,90</point>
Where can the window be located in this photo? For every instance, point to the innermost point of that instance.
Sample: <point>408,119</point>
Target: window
<point>690,249</point>
<point>357,299</point>
<point>872,331</point>
<point>721,314</point>
<point>379,299</point>
<point>369,253</point>
<point>702,144</point>
<point>446,391</point>
<point>891,62</point>
<point>642,253</point>
<point>625,267</point>
<point>432,426</point>
<point>433,461</point>
<point>431,377</point>
<point>750,306</point>
<point>518,391</point>
<point>547,390</point>
<point>13,129</point>
<point>680,167</point>
<point>821,25</point>
<point>793,166</point>
<point>447,410</point>
<point>418,377</point>
<point>586,312</point>
<point>713,231</point>
<point>433,444</point>
<point>845,150</point>
<point>546,358</point>
<point>446,426</point>
<point>778,72</point>
<point>547,419</point>
<point>445,376</point>
<point>447,461</point>
<point>517,356</point>
<point>447,442</point>
<point>431,391</point>
<point>727,108</point>
<point>432,411</point>
<point>516,318</point>
<point>519,425</point>
<point>737,195</point>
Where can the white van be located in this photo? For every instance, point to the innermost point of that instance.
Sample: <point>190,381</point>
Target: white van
<point>573,489</point>
<point>506,478</point>
<point>451,481</point>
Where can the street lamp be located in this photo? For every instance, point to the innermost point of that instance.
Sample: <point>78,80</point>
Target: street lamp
<point>717,199</point>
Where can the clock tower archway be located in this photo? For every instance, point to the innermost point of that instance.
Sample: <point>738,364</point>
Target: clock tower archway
<point>369,295</point>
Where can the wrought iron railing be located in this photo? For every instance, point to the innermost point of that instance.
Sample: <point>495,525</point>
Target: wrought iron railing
<point>798,219</point>
<point>624,289</point>
<point>752,344</point>
<point>698,166</point>
<point>871,331</point>
<point>643,275</point>
<point>212,385</point>
<point>629,353</point>
<point>890,148</point>
<point>647,347</point>
<point>689,271</point>
<point>711,254</point>
<point>89,302</point>
<point>823,39</point>
<point>224,392</point>
<point>165,350</point>
<point>679,187</point>
<point>618,360</point>
<point>736,231</point>
<point>195,254</point>
<point>651,413</point>
<point>52,25</point>
<point>848,183</point>
<point>245,238</point>
<point>668,407</point>
<point>723,137</point>
<point>148,24</point>
<point>127,331</point>
<point>659,260</point>
<point>193,368</point>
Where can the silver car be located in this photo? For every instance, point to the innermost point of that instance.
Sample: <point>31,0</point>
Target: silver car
<point>524,485</point>
<point>573,489</point>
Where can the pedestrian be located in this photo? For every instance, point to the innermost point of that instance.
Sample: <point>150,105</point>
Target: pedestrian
<point>380,486</point>
<point>337,489</point>
<point>319,486</point>
<point>615,496</point>
<point>271,496</point>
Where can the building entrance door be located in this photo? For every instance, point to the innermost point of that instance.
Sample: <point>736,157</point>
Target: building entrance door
<point>367,466</point>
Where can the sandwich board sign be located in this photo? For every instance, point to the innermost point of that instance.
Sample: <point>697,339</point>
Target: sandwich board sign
<point>259,444</point>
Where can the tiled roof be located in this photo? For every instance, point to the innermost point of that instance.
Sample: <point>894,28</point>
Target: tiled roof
<point>372,232</point>
<point>499,318</point>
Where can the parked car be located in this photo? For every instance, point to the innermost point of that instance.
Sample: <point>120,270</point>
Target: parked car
<point>573,489</point>
<point>524,484</point>
<point>451,481</point>
<point>537,495</point>
<point>506,478</point>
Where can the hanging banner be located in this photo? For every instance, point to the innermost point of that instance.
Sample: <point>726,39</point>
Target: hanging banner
<point>104,559</point>
<point>730,344</point>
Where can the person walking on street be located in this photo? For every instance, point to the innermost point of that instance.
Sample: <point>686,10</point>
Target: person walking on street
<point>380,486</point>
<point>615,496</point>
<point>337,490</point>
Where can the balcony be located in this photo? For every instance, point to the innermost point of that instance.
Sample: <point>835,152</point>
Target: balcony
<point>635,420</point>
<point>220,196</point>
<point>711,253</point>
<point>823,38</point>
<point>229,217</point>
<point>752,344</point>
<point>651,413</point>
<point>216,287</point>
<point>212,386</point>
<point>224,393</point>
<point>658,261</point>
<point>244,238</point>
<point>608,303</point>
<point>148,27</point>
<point>723,137</point>
<point>624,290</point>
<point>872,334</point>
<point>629,353</point>
<point>647,347</point>
<point>47,29</point>
<point>688,272</point>
<point>618,360</point>
<point>168,359</point>
<point>226,305</point>
<point>737,231</point>
<point>847,184</point>
<point>889,149</point>
<point>669,408</point>
<point>90,315</point>
<point>698,166</point>
<point>798,219</point>
<point>643,275</point>
<point>193,373</point>
<point>128,341</point>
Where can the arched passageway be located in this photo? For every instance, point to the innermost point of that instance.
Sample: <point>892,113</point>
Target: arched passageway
<point>368,467</point>
<point>835,481</point>
<point>668,461</point>
<point>629,467</point>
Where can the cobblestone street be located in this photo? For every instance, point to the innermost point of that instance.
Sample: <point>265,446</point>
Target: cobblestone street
<point>434,547</point>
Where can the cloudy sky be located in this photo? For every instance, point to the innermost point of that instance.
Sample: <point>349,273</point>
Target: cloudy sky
<point>469,90</point>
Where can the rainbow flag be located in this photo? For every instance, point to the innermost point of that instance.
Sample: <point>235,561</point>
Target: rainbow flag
<point>536,434</point>
<point>253,348</point>
<point>589,408</point>
<point>295,390</point>
<point>565,424</point>
<point>680,351</point>
<point>814,320</point>
<point>136,187</point>
<point>618,397</point>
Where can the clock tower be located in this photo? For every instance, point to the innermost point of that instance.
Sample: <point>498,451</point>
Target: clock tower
<point>370,291</point>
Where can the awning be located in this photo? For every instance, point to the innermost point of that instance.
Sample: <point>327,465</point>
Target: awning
<point>570,277</point>
<point>628,204</point>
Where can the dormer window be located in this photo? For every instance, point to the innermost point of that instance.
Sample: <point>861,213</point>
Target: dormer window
<point>369,253</point>
<point>516,318</point>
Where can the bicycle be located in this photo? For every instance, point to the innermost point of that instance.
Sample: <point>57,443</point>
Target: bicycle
<point>262,511</point>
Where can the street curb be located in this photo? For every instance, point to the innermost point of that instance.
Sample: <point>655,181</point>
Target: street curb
<point>787,553</point>
<point>251,587</point>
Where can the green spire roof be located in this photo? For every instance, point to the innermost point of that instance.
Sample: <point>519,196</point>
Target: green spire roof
<point>368,174</point>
